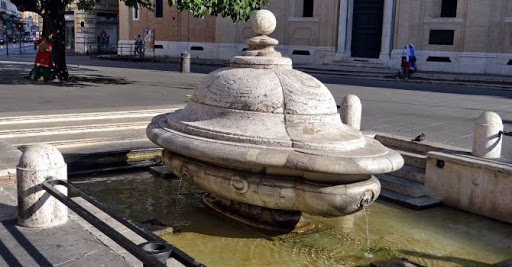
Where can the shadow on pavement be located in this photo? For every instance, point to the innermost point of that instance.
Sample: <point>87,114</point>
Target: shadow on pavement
<point>8,257</point>
<point>21,242</point>
<point>325,78</point>
<point>367,81</point>
<point>16,74</point>
<point>416,86</point>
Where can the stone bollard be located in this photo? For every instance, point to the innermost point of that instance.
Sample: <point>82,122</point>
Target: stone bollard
<point>350,112</point>
<point>185,62</point>
<point>36,207</point>
<point>487,137</point>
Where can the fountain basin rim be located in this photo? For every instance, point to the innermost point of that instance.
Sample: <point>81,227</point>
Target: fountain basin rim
<point>280,193</point>
<point>254,156</point>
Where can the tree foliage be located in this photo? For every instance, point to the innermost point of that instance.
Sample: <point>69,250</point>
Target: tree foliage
<point>237,10</point>
<point>53,11</point>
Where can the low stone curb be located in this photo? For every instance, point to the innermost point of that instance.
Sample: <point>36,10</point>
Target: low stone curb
<point>112,160</point>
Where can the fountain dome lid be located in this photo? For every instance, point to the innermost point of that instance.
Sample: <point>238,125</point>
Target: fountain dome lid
<point>260,112</point>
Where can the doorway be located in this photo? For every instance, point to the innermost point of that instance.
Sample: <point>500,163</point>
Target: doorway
<point>367,28</point>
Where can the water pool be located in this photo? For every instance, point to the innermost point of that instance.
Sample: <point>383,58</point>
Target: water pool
<point>439,236</point>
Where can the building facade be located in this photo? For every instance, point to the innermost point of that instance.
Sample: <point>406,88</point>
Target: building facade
<point>470,36</point>
<point>86,30</point>
<point>304,32</point>
<point>9,19</point>
<point>31,25</point>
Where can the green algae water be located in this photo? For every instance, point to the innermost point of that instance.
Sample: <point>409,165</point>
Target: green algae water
<point>434,237</point>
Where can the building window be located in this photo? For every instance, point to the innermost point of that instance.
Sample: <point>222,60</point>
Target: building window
<point>135,13</point>
<point>441,37</point>
<point>159,8</point>
<point>307,10</point>
<point>449,9</point>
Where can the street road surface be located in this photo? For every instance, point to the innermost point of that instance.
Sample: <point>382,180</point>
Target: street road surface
<point>445,113</point>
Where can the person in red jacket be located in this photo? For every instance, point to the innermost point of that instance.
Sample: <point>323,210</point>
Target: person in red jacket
<point>43,60</point>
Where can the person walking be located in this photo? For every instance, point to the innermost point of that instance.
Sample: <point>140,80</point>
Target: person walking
<point>138,46</point>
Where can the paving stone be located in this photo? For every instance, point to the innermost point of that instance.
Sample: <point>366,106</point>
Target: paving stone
<point>9,158</point>
<point>50,247</point>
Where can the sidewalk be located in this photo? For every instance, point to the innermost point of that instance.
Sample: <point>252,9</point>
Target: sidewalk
<point>65,245</point>
<point>483,80</point>
<point>345,69</point>
<point>374,71</point>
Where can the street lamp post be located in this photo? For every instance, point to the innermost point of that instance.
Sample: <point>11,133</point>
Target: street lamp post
<point>6,44</point>
<point>82,28</point>
<point>20,39</point>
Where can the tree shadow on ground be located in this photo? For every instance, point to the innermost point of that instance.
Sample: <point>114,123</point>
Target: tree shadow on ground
<point>434,87</point>
<point>17,74</point>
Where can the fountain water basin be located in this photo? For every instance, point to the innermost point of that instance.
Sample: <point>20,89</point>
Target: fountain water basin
<point>267,143</point>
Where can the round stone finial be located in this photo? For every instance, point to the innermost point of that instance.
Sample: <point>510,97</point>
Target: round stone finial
<point>490,118</point>
<point>263,22</point>
<point>41,156</point>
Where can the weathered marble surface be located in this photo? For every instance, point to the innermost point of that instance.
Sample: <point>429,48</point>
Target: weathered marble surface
<point>262,133</point>
<point>487,139</point>
<point>36,207</point>
<point>481,186</point>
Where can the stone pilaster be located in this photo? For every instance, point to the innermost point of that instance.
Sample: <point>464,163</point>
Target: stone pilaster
<point>387,24</point>
<point>342,29</point>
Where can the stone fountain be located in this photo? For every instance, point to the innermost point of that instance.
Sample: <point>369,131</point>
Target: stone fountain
<point>267,144</point>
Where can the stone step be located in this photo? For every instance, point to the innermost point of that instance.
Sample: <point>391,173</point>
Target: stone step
<point>402,186</point>
<point>67,130</point>
<point>77,129</point>
<point>417,203</point>
<point>76,136</point>
<point>45,126</point>
<point>414,159</point>
<point>361,63</point>
<point>352,70</point>
<point>75,117</point>
<point>411,173</point>
<point>115,155</point>
<point>405,144</point>
<point>90,142</point>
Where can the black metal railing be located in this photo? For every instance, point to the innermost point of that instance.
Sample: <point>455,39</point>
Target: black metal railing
<point>131,51</point>
<point>503,133</point>
<point>140,252</point>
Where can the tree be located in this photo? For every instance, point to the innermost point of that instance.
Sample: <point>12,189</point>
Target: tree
<point>52,12</point>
